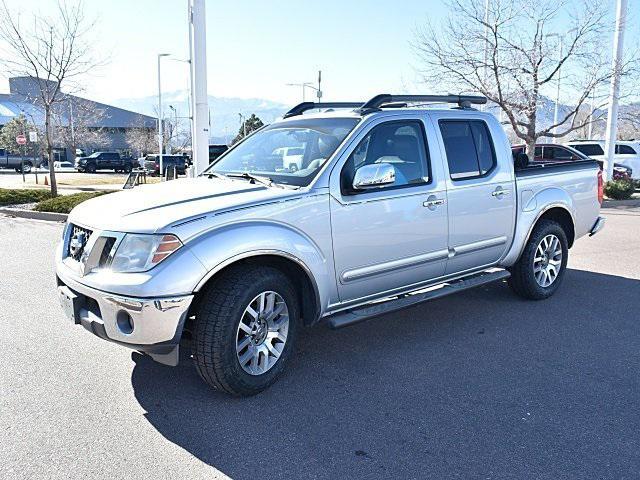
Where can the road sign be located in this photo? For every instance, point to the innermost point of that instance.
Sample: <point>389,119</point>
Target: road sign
<point>33,137</point>
<point>21,140</point>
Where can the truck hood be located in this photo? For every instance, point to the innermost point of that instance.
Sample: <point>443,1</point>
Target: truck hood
<point>153,208</point>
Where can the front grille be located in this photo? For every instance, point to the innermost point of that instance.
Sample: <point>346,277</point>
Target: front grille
<point>75,230</point>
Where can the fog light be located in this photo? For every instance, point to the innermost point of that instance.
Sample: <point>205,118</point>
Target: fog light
<point>124,322</point>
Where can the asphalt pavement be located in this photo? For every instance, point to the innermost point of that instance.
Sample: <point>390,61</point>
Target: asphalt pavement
<point>478,385</point>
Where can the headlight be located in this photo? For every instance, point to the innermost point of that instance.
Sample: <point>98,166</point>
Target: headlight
<point>139,253</point>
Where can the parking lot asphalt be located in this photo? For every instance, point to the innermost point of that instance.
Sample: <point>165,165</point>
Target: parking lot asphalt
<point>478,385</point>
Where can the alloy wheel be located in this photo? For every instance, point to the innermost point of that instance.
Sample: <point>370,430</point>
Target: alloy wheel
<point>547,260</point>
<point>262,333</point>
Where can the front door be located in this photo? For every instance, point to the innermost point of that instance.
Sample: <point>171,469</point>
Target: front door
<point>480,191</point>
<point>393,236</point>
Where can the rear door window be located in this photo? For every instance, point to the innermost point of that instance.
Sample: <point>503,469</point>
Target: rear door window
<point>469,148</point>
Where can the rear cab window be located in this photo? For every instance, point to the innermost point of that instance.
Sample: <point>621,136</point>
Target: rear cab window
<point>469,148</point>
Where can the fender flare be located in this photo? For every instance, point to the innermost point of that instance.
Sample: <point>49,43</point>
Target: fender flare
<point>224,246</point>
<point>529,215</point>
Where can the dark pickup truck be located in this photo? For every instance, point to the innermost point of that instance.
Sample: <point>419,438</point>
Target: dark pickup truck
<point>104,161</point>
<point>14,160</point>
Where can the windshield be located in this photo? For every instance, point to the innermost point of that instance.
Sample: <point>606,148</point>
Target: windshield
<point>288,152</point>
<point>94,155</point>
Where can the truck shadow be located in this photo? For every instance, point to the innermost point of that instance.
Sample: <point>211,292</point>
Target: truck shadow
<point>479,384</point>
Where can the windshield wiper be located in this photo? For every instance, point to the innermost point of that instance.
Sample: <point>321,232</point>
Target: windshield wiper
<point>252,178</point>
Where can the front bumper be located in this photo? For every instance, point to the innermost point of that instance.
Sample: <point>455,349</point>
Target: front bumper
<point>599,225</point>
<point>149,325</point>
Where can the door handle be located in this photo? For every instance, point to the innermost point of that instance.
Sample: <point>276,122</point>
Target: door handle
<point>433,202</point>
<point>498,192</point>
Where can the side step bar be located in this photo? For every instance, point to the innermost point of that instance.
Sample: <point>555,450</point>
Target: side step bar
<point>356,315</point>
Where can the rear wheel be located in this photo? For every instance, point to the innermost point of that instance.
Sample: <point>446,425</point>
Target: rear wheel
<point>25,168</point>
<point>246,328</point>
<point>540,269</point>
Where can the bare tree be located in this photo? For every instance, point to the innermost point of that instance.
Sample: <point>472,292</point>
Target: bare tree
<point>77,124</point>
<point>513,56</point>
<point>53,51</point>
<point>142,139</point>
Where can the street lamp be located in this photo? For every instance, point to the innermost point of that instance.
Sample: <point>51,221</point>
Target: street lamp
<point>303,85</point>
<point>310,85</point>
<point>612,114</point>
<point>160,131</point>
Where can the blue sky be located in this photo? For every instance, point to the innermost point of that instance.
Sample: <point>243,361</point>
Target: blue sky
<point>255,47</point>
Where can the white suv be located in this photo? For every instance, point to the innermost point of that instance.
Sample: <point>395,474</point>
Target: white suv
<point>627,153</point>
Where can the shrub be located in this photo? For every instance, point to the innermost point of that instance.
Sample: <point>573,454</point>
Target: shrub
<point>65,203</point>
<point>14,196</point>
<point>619,189</point>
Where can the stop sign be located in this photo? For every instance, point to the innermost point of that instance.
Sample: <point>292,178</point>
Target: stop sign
<point>21,139</point>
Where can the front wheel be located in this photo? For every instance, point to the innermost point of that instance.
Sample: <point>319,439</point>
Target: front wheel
<point>540,269</point>
<point>246,328</point>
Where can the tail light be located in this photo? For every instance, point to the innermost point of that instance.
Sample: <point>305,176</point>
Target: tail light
<point>600,187</point>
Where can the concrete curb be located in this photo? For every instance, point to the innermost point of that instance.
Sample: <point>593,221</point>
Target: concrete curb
<point>632,202</point>
<point>34,215</point>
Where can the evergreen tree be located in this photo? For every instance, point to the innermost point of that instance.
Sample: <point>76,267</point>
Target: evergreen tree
<point>250,124</point>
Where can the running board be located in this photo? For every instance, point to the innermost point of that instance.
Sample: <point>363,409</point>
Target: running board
<point>356,315</point>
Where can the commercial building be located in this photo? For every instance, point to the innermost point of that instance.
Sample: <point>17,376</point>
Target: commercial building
<point>79,123</point>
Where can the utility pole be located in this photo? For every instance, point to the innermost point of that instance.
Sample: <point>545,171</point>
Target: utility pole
<point>160,129</point>
<point>319,92</point>
<point>200,108</point>
<point>612,115</point>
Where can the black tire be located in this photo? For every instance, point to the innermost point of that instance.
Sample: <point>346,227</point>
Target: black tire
<point>90,168</point>
<point>127,169</point>
<point>26,168</point>
<point>217,318</point>
<point>523,280</point>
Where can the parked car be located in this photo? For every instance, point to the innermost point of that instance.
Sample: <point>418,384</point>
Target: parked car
<point>291,157</point>
<point>15,161</point>
<point>104,161</point>
<point>64,167</point>
<point>393,207</point>
<point>215,151</point>
<point>626,153</point>
<point>152,163</point>
<point>552,153</point>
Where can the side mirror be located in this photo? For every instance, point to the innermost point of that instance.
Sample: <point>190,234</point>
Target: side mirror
<point>375,175</point>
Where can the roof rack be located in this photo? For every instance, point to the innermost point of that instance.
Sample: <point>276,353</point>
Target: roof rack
<point>386,100</point>
<point>463,101</point>
<point>304,106</point>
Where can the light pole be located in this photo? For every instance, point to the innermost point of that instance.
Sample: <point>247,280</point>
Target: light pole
<point>303,85</point>
<point>612,115</point>
<point>160,130</point>
<point>200,107</point>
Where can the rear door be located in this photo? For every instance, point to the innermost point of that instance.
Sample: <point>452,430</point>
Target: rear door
<point>480,190</point>
<point>395,236</point>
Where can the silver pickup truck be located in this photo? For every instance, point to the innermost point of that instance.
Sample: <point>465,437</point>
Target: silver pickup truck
<point>389,206</point>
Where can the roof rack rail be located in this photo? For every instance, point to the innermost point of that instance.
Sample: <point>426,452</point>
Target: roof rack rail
<point>304,106</point>
<point>463,101</point>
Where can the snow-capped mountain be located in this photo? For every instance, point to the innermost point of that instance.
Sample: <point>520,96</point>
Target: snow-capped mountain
<point>225,121</point>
